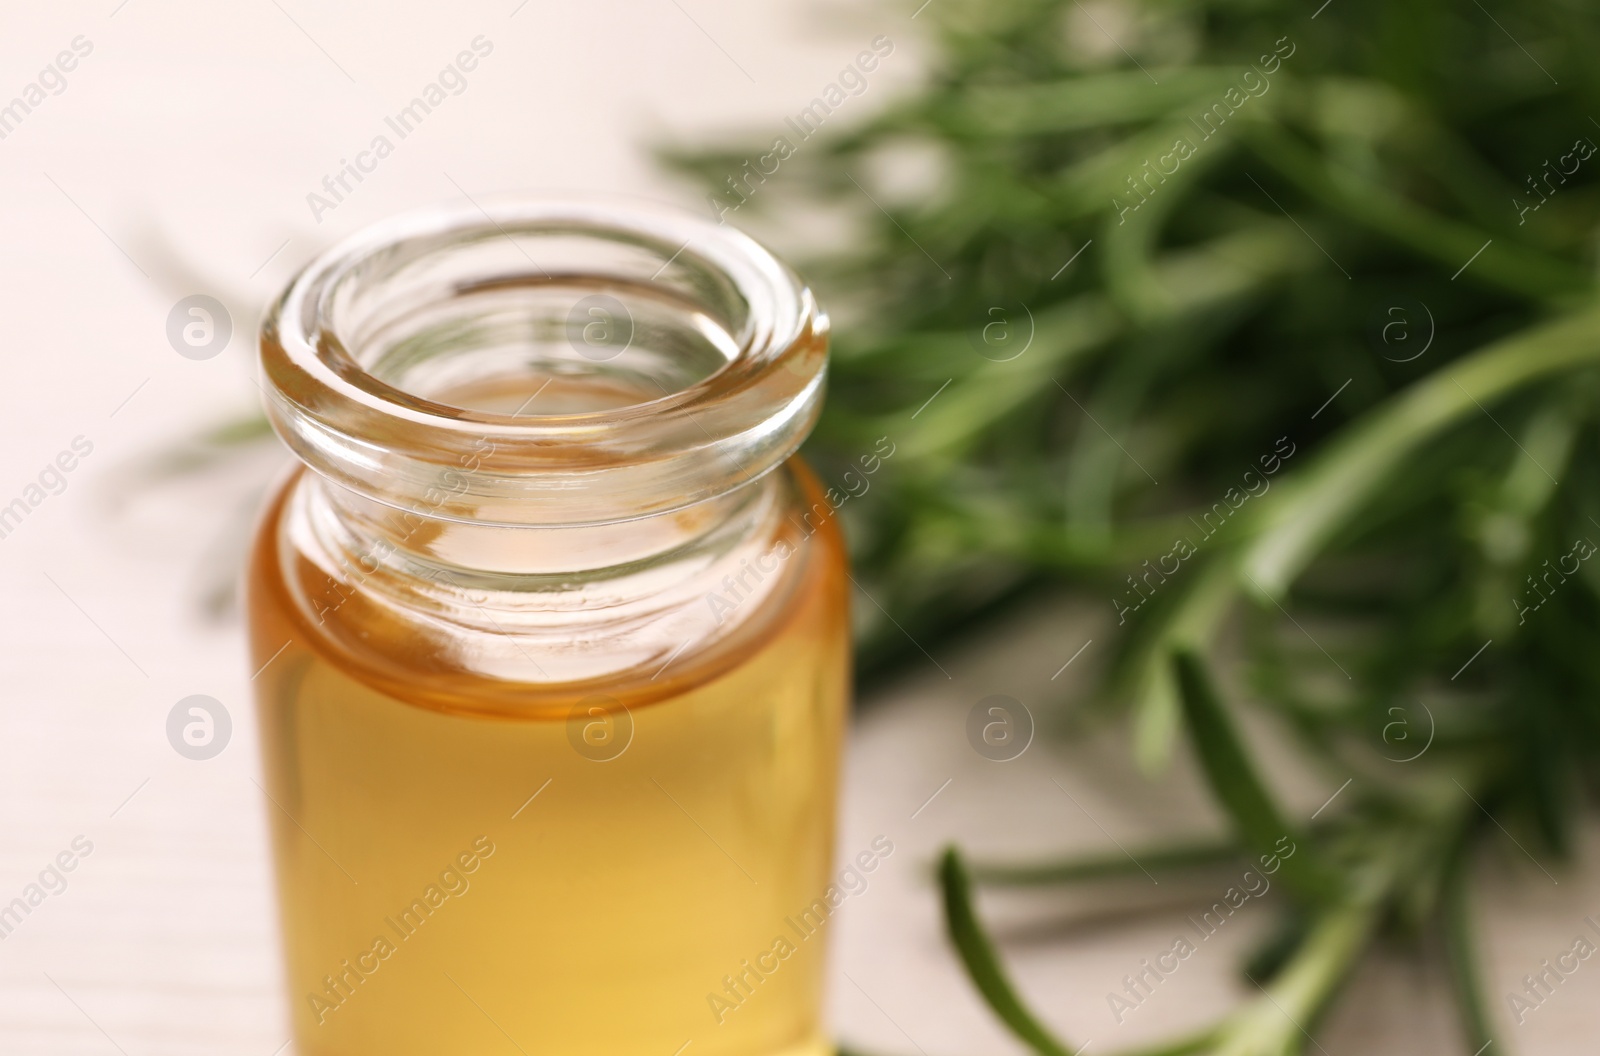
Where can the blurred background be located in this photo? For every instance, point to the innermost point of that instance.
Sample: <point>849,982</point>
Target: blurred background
<point>1110,274</point>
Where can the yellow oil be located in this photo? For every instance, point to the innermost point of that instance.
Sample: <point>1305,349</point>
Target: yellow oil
<point>456,877</point>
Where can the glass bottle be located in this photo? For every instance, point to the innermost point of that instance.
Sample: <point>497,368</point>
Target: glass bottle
<point>553,636</point>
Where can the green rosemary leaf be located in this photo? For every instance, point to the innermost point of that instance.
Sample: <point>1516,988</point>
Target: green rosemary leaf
<point>1521,271</point>
<point>1276,1022</point>
<point>1147,668</point>
<point>1108,99</point>
<point>1239,789</point>
<point>1301,518</point>
<point>1164,860</point>
<point>983,965</point>
<point>1278,948</point>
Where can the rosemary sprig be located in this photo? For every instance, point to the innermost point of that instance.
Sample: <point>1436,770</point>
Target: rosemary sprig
<point>1381,257</point>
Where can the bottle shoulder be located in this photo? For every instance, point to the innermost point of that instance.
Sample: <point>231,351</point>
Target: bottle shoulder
<point>514,644</point>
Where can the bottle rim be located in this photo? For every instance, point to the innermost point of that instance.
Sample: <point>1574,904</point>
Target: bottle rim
<point>436,459</point>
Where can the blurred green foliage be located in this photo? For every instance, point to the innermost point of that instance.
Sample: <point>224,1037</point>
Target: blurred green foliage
<point>1377,253</point>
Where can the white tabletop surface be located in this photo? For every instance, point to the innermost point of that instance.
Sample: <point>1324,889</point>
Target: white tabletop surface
<point>177,160</point>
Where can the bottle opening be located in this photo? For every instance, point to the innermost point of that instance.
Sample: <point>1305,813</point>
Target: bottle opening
<point>551,363</point>
<point>547,348</point>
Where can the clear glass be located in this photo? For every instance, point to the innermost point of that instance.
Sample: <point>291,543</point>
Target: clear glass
<point>553,642</point>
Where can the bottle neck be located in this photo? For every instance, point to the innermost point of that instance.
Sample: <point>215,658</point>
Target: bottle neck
<point>541,605</point>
